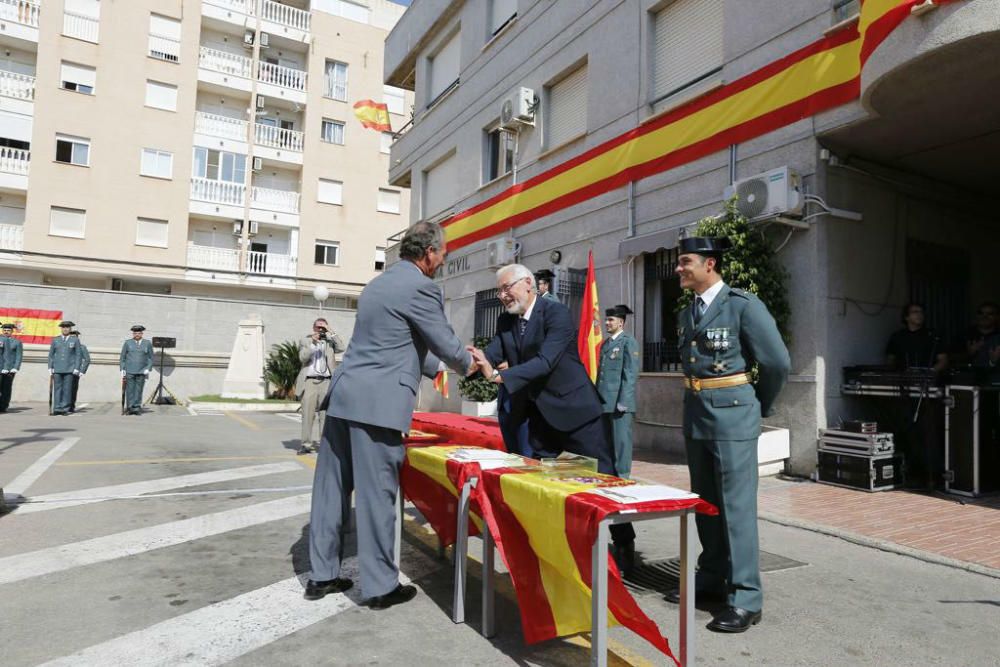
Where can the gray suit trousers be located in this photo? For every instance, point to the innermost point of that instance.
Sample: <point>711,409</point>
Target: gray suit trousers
<point>364,459</point>
<point>313,393</point>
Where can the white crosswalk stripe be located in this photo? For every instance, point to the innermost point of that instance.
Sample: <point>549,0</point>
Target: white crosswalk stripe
<point>38,468</point>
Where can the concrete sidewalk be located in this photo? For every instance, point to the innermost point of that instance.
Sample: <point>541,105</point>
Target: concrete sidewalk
<point>941,528</point>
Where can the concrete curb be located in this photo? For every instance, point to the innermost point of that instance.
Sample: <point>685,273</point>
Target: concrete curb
<point>883,545</point>
<point>291,406</point>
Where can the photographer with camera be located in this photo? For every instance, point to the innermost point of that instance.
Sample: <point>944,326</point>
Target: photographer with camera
<point>316,352</point>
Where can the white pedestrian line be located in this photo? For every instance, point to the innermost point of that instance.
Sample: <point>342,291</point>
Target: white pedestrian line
<point>54,501</point>
<point>192,411</point>
<point>295,417</point>
<point>141,540</point>
<point>38,468</point>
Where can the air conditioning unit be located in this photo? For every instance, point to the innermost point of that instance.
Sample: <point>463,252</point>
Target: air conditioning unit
<point>518,108</point>
<point>248,38</point>
<point>237,228</point>
<point>775,192</point>
<point>254,228</point>
<point>258,163</point>
<point>264,39</point>
<point>117,285</point>
<point>261,101</point>
<point>500,252</point>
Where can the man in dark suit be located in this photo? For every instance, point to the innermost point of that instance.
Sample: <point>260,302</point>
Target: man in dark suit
<point>548,385</point>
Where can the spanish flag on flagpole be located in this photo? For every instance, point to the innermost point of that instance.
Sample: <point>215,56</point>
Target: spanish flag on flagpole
<point>32,325</point>
<point>373,115</point>
<point>589,338</point>
<point>441,383</point>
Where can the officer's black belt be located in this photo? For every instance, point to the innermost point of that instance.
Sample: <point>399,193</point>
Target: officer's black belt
<point>698,384</point>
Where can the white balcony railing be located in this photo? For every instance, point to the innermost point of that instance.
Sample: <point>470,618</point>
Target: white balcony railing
<point>286,77</point>
<point>24,12</point>
<point>225,62</point>
<point>276,137</point>
<point>217,192</point>
<point>207,257</point>
<point>14,160</point>
<point>270,262</point>
<point>165,48</point>
<point>18,86</point>
<point>285,15</point>
<point>286,201</point>
<point>12,237</point>
<point>80,26</point>
<point>220,126</point>
<point>242,6</point>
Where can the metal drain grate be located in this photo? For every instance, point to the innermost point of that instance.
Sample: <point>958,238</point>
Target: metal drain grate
<point>660,576</point>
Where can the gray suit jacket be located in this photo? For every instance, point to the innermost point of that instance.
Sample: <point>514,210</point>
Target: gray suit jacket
<point>400,333</point>
<point>334,344</point>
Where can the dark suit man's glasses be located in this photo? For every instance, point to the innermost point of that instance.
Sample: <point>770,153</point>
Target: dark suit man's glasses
<point>505,289</point>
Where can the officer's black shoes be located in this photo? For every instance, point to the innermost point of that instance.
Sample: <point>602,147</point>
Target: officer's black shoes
<point>306,449</point>
<point>624,555</point>
<point>402,593</point>
<point>317,590</point>
<point>734,619</point>
<point>674,595</point>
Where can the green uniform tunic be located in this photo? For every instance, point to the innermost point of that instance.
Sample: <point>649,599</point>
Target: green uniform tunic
<point>136,360</point>
<point>617,374</point>
<point>65,358</point>
<point>11,351</point>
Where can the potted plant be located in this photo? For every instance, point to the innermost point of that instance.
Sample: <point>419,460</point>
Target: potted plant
<point>479,395</point>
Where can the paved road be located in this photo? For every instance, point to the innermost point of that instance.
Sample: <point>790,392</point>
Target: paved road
<point>180,539</point>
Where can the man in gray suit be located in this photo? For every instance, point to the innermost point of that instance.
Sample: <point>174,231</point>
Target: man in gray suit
<point>316,352</point>
<point>400,334</point>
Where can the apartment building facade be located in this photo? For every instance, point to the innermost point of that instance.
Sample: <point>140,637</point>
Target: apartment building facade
<point>196,147</point>
<point>520,106</point>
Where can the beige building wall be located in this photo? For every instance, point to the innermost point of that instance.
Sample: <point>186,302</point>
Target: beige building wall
<point>218,80</point>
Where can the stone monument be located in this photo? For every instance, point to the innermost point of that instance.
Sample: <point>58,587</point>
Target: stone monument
<point>245,373</point>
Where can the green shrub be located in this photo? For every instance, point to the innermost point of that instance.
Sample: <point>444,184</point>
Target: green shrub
<point>476,387</point>
<point>282,368</point>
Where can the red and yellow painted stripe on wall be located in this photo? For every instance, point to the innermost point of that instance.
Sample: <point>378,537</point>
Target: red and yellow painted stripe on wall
<point>32,325</point>
<point>820,76</point>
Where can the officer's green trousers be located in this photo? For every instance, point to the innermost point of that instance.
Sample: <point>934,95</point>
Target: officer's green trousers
<point>134,382</point>
<point>619,428</point>
<point>724,472</point>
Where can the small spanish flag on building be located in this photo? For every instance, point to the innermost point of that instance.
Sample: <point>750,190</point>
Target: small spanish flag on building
<point>32,325</point>
<point>373,115</point>
<point>441,383</point>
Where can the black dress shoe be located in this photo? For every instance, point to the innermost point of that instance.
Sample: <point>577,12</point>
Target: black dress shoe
<point>317,590</point>
<point>735,619</point>
<point>401,594</point>
<point>674,595</point>
<point>624,555</point>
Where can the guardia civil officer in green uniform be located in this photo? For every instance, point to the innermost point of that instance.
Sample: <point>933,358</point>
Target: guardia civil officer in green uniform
<point>64,362</point>
<point>11,352</point>
<point>84,366</point>
<point>617,373</point>
<point>136,361</point>
<point>543,281</point>
<point>721,335</point>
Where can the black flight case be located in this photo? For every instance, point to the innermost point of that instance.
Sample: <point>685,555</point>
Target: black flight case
<point>877,472</point>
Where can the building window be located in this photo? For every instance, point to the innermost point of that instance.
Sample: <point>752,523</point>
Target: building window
<point>328,253</point>
<point>219,165</point>
<point>161,95</point>
<point>385,142</point>
<point>70,222</point>
<point>333,132</point>
<point>662,291</point>
<point>157,163</point>
<point>567,109</point>
<point>444,69</point>
<point>687,45</point>
<point>845,9</point>
<point>164,38</point>
<point>379,259</point>
<point>150,232</point>
<point>336,80</point>
<point>79,78</point>
<point>388,201</point>
<point>73,150</point>
<point>395,99</point>
<point>81,19</point>
<point>487,310</point>
<point>498,154</point>
<point>502,12</point>
<point>330,192</point>
<point>439,190</point>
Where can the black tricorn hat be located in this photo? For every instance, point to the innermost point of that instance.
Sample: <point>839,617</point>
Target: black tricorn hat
<point>544,274</point>
<point>7,325</point>
<point>621,310</point>
<point>704,245</point>
<point>138,327</point>
<point>66,324</point>
<point>74,332</point>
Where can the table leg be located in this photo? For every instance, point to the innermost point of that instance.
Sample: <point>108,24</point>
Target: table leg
<point>489,619</point>
<point>461,554</point>
<point>687,589</point>
<point>599,598</point>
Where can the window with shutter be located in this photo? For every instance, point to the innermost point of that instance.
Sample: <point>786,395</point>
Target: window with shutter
<point>687,45</point>
<point>567,112</point>
<point>501,13</point>
<point>395,99</point>
<point>151,232</point>
<point>388,201</point>
<point>439,189</point>
<point>80,78</point>
<point>161,95</point>
<point>444,68</point>
<point>330,191</point>
<point>67,222</point>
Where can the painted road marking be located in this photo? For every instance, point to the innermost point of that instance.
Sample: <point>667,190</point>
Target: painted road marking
<point>54,501</point>
<point>246,422</point>
<point>141,540</point>
<point>182,459</point>
<point>38,468</point>
<point>293,416</point>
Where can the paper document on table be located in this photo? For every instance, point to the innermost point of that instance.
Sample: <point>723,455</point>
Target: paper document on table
<point>643,493</point>
<point>479,454</point>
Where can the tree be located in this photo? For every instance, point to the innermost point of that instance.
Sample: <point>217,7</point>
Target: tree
<point>476,387</point>
<point>282,369</point>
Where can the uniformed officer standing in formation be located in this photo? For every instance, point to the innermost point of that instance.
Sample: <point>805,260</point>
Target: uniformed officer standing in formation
<point>64,363</point>
<point>722,334</point>
<point>11,352</point>
<point>617,373</point>
<point>543,280</point>
<point>84,365</point>
<point>136,361</point>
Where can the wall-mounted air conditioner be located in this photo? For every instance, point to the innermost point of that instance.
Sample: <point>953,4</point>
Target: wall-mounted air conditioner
<point>258,164</point>
<point>500,252</point>
<point>518,109</point>
<point>248,38</point>
<point>775,192</point>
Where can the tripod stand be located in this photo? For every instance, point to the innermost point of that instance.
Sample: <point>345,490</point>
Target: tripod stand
<point>160,399</point>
